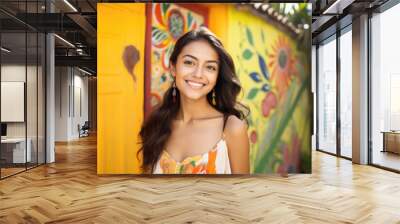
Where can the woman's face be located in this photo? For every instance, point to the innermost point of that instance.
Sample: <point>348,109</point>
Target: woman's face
<point>196,70</point>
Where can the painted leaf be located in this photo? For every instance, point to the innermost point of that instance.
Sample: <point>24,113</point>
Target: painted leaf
<point>263,67</point>
<point>155,32</point>
<point>158,35</point>
<point>249,36</point>
<point>165,7</point>
<point>189,19</point>
<point>247,54</point>
<point>250,121</point>
<point>273,144</point>
<point>262,36</point>
<point>252,94</point>
<point>255,76</point>
<point>265,88</point>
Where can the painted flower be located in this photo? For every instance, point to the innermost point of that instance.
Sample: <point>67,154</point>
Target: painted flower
<point>268,103</point>
<point>282,62</point>
<point>169,23</point>
<point>291,157</point>
<point>188,168</point>
<point>253,137</point>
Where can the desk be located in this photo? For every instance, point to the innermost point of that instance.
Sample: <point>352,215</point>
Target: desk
<point>16,147</point>
<point>391,141</point>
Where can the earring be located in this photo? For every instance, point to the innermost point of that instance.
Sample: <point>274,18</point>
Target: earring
<point>214,102</point>
<point>174,92</point>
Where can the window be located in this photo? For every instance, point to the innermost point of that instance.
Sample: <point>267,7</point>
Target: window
<point>22,77</point>
<point>327,96</point>
<point>385,88</point>
<point>346,93</point>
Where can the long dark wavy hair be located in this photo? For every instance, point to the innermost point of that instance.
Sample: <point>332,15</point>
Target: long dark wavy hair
<point>156,129</point>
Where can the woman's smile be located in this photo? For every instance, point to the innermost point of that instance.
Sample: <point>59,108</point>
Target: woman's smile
<point>194,84</point>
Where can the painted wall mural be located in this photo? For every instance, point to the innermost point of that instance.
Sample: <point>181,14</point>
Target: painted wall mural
<point>169,22</point>
<point>276,81</point>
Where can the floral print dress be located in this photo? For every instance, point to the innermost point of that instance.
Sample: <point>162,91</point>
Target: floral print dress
<point>215,161</point>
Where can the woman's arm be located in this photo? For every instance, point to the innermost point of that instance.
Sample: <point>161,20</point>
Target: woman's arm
<point>238,145</point>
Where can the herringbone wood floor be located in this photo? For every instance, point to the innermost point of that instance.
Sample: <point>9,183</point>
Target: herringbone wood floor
<point>69,191</point>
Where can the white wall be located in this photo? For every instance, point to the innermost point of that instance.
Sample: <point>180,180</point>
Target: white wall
<point>71,94</point>
<point>314,91</point>
<point>16,73</point>
<point>62,82</point>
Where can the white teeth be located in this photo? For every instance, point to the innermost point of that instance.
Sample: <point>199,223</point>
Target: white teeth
<point>195,84</point>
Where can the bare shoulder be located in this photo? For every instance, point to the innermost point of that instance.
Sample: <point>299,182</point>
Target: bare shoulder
<point>235,127</point>
<point>238,145</point>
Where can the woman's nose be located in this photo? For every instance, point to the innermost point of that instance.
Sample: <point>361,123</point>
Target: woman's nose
<point>197,72</point>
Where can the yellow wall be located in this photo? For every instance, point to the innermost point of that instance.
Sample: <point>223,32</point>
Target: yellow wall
<point>120,99</point>
<point>218,21</point>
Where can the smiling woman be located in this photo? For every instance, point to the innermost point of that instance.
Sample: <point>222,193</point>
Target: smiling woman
<point>199,128</point>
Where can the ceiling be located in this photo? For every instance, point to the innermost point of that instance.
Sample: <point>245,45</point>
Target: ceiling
<point>76,22</point>
<point>328,16</point>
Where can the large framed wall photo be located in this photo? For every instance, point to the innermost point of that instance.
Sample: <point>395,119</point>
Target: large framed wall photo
<point>272,66</point>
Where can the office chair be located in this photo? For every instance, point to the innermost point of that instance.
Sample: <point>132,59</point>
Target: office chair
<point>84,130</point>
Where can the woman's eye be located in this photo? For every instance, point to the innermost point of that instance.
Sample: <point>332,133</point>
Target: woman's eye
<point>188,62</point>
<point>211,68</point>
